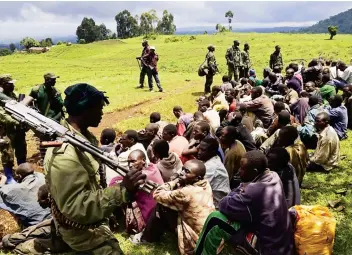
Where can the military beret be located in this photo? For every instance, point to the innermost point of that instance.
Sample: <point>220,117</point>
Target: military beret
<point>50,76</point>
<point>236,41</point>
<point>210,46</point>
<point>81,96</point>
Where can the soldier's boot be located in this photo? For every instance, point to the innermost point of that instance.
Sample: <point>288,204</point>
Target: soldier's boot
<point>9,176</point>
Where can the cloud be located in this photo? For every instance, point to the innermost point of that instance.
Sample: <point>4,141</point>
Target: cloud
<point>42,19</point>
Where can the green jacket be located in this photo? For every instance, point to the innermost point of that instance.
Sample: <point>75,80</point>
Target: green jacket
<point>276,60</point>
<point>72,179</point>
<point>233,57</point>
<point>211,62</point>
<point>246,61</point>
<point>49,102</point>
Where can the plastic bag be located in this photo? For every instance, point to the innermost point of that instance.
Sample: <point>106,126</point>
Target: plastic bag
<point>314,230</point>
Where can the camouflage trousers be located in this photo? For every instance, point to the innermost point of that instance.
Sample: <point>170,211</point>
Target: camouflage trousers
<point>234,71</point>
<point>208,82</point>
<point>11,146</point>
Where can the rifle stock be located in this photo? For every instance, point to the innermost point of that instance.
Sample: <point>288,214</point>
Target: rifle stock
<point>53,130</point>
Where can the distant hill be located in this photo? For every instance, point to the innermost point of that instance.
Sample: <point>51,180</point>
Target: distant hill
<point>343,20</point>
<point>68,38</point>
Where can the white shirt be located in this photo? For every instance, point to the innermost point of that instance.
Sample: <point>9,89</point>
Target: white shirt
<point>347,75</point>
<point>123,157</point>
<point>213,118</point>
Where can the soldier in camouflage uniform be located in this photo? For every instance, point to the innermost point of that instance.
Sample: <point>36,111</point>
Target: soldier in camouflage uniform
<point>13,135</point>
<point>276,59</point>
<point>234,60</point>
<point>144,67</point>
<point>212,68</point>
<point>80,200</point>
<point>246,61</point>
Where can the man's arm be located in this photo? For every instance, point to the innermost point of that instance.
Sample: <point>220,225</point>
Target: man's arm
<point>253,104</point>
<point>321,153</point>
<point>181,127</point>
<point>168,197</point>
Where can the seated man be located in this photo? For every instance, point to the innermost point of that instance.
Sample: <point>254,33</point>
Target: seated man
<point>347,94</point>
<point>290,95</point>
<point>20,198</point>
<point>292,81</point>
<point>279,162</point>
<point>156,118</point>
<point>183,119</point>
<point>326,156</point>
<point>300,109</point>
<point>233,150</point>
<point>225,83</point>
<point>247,121</point>
<point>257,206</point>
<point>151,135</point>
<point>128,143</point>
<point>144,201</point>
<point>313,91</point>
<point>168,162</point>
<point>245,93</point>
<point>216,172</point>
<point>345,78</point>
<point>210,115</point>
<point>338,116</point>
<point>107,139</point>
<point>230,96</point>
<point>327,89</point>
<point>198,116</point>
<point>261,106</point>
<point>218,99</point>
<point>176,143</point>
<point>288,138</point>
<point>185,203</point>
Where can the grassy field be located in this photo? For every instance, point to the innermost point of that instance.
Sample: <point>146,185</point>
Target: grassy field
<point>111,66</point>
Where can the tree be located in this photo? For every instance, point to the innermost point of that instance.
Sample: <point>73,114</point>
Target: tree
<point>229,15</point>
<point>222,29</point>
<point>333,31</point>
<point>166,25</point>
<point>12,47</point>
<point>218,27</point>
<point>154,18</point>
<point>49,42</point>
<point>5,52</point>
<point>82,41</point>
<point>205,33</point>
<point>146,24</point>
<point>102,33</point>
<point>87,30</point>
<point>126,25</point>
<point>29,42</point>
<point>113,36</point>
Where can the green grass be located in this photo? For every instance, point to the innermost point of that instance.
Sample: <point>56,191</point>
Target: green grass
<point>111,66</point>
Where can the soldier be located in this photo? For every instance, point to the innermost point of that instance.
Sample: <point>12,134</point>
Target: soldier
<point>276,59</point>
<point>144,68</point>
<point>212,68</point>
<point>234,60</point>
<point>151,60</point>
<point>12,133</point>
<point>80,201</point>
<point>246,61</point>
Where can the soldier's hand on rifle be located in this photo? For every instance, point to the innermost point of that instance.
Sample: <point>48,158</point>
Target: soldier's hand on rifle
<point>133,179</point>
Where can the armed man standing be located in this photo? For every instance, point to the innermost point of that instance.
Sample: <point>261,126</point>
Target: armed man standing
<point>246,61</point>
<point>143,67</point>
<point>151,61</point>
<point>212,68</point>
<point>80,201</point>
<point>234,60</point>
<point>13,135</point>
<point>276,59</point>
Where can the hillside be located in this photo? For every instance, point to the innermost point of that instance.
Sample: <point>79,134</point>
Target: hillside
<point>343,20</point>
<point>111,66</point>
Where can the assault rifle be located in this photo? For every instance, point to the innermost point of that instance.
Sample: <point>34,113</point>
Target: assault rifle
<point>58,133</point>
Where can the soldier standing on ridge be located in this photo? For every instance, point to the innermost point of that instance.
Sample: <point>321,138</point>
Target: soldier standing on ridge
<point>234,60</point>
<point>276,59</point>
<point>144,68</point>
<point>212,68</point>
<point>246,61</point>
<point>12,133</point>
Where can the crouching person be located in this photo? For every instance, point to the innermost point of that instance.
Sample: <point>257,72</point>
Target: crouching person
<point>183,204</point>
<point>256,210</point>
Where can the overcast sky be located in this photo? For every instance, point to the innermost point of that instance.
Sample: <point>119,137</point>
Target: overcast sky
<point>50,19</point>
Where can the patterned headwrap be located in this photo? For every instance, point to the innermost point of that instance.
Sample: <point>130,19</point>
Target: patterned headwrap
<point>82,96</point>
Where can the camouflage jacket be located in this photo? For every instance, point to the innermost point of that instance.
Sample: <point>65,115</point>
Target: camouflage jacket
<point>211,62</point>
<point>276,60</point>
<point>246,61</point>
<point>233,57</point>
<point>6,121</point>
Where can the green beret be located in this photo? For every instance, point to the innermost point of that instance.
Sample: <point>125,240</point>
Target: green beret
<point>82,96</point>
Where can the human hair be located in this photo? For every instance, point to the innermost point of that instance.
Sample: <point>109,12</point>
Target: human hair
<point>216,88</point>
<point>161,147</point>
<point>281,157</point>
<point>284,118</point>
<point>231,133</point>
<point>177,108</point>
<point>170,129</point>
<point>257,90</point>
<point>288,135</point>
<point>313,100</point>
<point>276,69</point>
<point>204,126</point>
<point>336,100</point>
<point>155,116</point>
<point>279,106</point>
<point>294,66</point>
<point>225,78</point>
<point>333,63</point>
<point>325,78</point>
<point>324,115</point>
<point>205,102</point>
<point>198,116</point>
<point>213,144</point>
<point>132,134</point>
<point>108,135</point>
<point>139,153</point>
<point>244,81</point>
<point>256,160</point>
<point>222,114</point>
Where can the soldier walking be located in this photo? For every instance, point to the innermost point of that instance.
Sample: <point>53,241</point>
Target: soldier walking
<point>276,59</point>
<point>80,201</point>
<point>234,60</point>
<point>144,68</point>
<point>13,135</point>
<point>211,70</point>
<point>246,61</point>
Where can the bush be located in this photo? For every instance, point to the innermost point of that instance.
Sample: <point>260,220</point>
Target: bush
<point>59,43</point>
<point>82,41</point>
<point>151,36</point>
<point>174,39</point>
<point>68,44</point>
<point>5,52</point>
<point>192,37</point>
